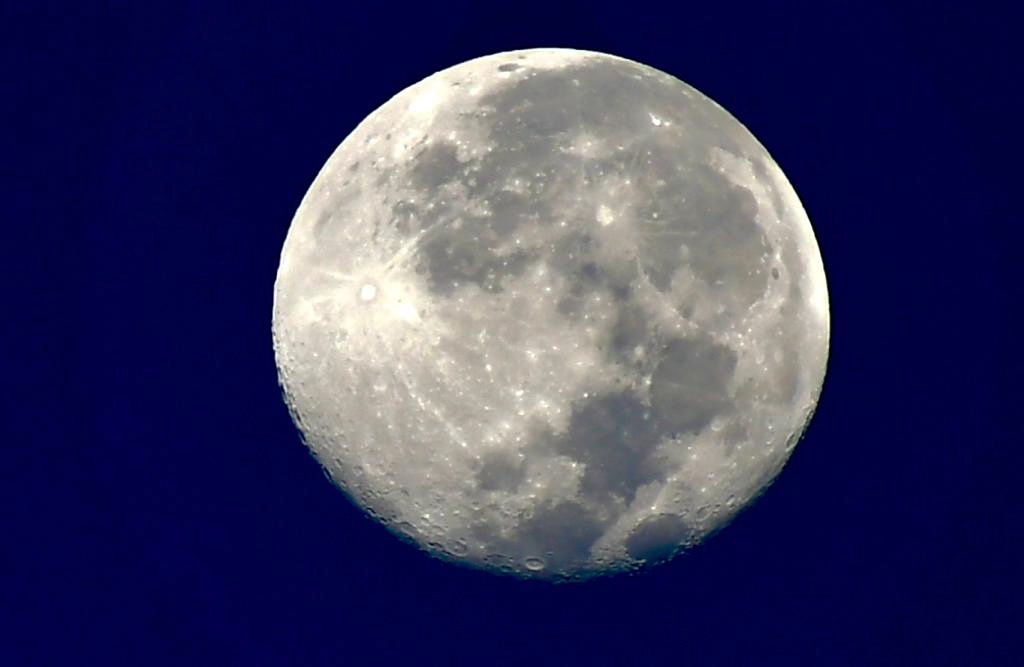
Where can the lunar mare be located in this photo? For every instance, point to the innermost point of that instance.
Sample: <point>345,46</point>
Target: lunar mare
<point>553,313</point>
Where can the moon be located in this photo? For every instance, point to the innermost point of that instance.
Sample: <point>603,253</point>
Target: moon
<point>551,313</point>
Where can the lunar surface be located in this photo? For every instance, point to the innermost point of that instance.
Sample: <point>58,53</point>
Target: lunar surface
<point>552,313</point>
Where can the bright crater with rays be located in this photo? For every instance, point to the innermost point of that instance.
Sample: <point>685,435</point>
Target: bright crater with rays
<point>551,312</point>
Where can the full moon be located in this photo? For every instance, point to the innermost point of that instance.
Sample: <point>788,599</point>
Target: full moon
<point>551,313</point>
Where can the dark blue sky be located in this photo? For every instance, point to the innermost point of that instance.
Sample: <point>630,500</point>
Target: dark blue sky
<point>160,508</point>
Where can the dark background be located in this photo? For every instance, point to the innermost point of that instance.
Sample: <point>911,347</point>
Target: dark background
<point>158,507</point>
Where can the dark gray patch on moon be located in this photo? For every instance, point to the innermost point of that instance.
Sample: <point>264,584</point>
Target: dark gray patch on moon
<point>531,110</point>
<point>454,257</point>
<point>559,534</point>
<point>563,532</point>
<point>785,379</point>
<point>631,330</point>
<point>692,383</point>
<point>613,437</point>
<point>704,215</point>
<point>584,278</point>
<point>509,210</point>
<point>679,199</point>
<point>500,472</point>
<point>593,95</point>
<point>657,538</point>
<point>405,216</point>
<point>435,165</point>
<point>730,248</point>
<point>337,203</point>
<point>322,223</point>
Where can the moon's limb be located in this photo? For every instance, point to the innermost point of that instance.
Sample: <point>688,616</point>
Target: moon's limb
<point>552,312</point>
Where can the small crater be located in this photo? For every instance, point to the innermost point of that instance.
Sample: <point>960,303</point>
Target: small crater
<point>534,564</point>
<point>508,67</point>
<point>775,273</point>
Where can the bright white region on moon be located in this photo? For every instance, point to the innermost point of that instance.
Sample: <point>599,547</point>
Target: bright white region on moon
<point>551,312</point>
<point>367,292</point>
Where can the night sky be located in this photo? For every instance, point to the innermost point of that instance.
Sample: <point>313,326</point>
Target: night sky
<point>160,507</point>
